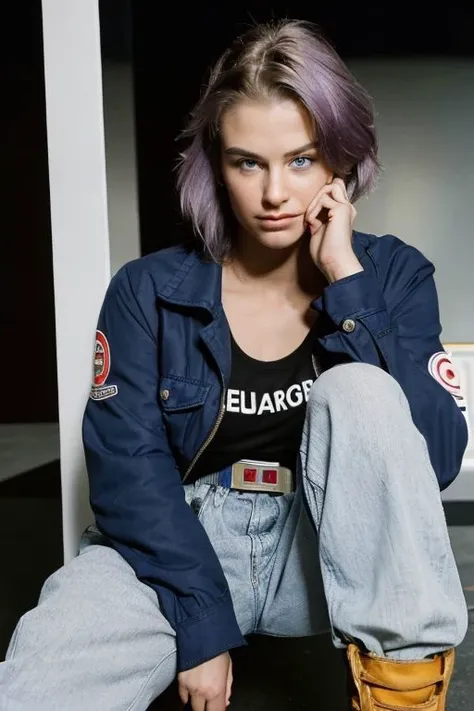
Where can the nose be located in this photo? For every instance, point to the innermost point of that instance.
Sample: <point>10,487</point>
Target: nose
<point>275,191</point>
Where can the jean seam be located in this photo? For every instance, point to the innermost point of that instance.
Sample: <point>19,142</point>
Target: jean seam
<point>16,636</point>
<point>205,502</point>
<point>147,680</point>
<point>314,487</point>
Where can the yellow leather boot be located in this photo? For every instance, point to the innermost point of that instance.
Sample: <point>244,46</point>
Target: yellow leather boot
<point>382,684</point>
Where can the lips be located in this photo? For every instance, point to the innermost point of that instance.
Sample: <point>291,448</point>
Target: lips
<point>276,224</point>
<point>276,218</point>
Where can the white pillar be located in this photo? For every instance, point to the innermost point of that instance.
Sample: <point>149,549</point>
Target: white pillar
<point>81,250</point>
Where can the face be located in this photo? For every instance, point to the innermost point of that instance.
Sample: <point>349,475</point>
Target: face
<point>271,169</point>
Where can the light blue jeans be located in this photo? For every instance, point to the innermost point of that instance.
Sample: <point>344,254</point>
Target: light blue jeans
<point>360,549</point>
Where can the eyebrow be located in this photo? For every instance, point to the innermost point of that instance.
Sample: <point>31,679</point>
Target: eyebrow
<point>235,151</point>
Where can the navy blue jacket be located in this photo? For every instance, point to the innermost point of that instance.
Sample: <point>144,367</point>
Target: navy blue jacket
<point>162,362</point>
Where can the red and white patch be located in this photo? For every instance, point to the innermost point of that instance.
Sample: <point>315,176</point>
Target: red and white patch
<point>442,368</point>
<point>101,359</point>
<point>99,390</point>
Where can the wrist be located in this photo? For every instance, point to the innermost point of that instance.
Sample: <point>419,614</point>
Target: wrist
<point>341,269</point>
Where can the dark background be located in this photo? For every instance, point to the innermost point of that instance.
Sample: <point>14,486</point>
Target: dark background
<point>170,48</point>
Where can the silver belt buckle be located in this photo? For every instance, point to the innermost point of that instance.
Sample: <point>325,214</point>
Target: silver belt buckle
<point>252,475</point>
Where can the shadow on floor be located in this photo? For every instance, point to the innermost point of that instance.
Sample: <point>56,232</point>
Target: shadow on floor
<point>281,674</point>
<point>309,675</point>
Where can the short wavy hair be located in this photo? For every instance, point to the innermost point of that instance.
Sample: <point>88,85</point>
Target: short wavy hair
<point>286,59</point>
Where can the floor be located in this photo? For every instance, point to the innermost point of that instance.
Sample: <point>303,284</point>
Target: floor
<point>273,675</point>
<point>27,446</point>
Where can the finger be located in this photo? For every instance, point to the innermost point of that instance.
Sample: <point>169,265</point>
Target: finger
<point>230,679</point>
<point>339,193</point>
<point>198,702</point>
<point>325,189</point>
<point>341,183</point>
<point>314,223</point>
<point>325,201</point>
<point>217,704</point>
<point>183,694</point>
<point>338,190</point>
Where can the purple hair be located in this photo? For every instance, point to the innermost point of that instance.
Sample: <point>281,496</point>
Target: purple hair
<point>288,59</point>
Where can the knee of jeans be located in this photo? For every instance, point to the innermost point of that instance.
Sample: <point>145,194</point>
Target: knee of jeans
<point>362,383</point>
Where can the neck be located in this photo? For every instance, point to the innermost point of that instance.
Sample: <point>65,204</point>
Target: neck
<point>288,271</point>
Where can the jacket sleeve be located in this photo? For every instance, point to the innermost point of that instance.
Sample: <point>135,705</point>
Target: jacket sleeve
<point>397,328</point>
<point>136,491</point>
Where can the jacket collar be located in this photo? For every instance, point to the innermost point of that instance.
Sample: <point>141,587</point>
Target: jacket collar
<point>197,283</point>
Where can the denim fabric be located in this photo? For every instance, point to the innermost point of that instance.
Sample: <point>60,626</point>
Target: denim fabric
<point>361,549</point>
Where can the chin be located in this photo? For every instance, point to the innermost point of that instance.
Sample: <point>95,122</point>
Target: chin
<point>281,239</point>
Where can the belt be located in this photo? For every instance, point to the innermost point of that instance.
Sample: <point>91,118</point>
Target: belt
<point>252,475</point>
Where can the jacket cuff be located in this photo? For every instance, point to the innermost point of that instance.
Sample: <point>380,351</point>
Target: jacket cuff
<point>207,635</point>
<point>355,296</point>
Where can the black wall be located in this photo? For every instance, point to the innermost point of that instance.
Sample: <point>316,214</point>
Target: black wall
<point>29,391</point>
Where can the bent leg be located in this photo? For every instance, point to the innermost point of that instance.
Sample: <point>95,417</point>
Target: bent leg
<point>96,640</point>
<point>389,573</point>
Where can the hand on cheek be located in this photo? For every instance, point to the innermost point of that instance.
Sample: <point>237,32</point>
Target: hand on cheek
<point>330,216</point>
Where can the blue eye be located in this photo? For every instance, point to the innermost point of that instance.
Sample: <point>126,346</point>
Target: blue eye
<point>302,162</point>
<point>248,163</point>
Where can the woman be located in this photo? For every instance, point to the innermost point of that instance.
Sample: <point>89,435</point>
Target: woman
<point>270,423</point>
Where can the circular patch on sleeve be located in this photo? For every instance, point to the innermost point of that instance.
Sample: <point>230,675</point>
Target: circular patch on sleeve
<point>101,359</point>
<point>442,368</point>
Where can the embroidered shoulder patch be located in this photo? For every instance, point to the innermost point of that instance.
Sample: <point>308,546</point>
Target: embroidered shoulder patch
<point>444,371</point>
<point>99,390</point>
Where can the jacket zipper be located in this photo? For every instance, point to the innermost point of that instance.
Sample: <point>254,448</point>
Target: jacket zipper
<point>316,368</point>
<point>210,436</point>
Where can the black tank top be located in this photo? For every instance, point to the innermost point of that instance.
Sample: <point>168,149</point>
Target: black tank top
<point>265,409</point>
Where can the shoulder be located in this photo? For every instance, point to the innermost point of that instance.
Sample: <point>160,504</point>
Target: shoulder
<point>389,255</point>
<point>401,270</point>
<point>152,272</point>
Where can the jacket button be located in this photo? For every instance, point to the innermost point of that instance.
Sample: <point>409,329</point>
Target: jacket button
<point>348,325</point>
<point>165,394</point>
